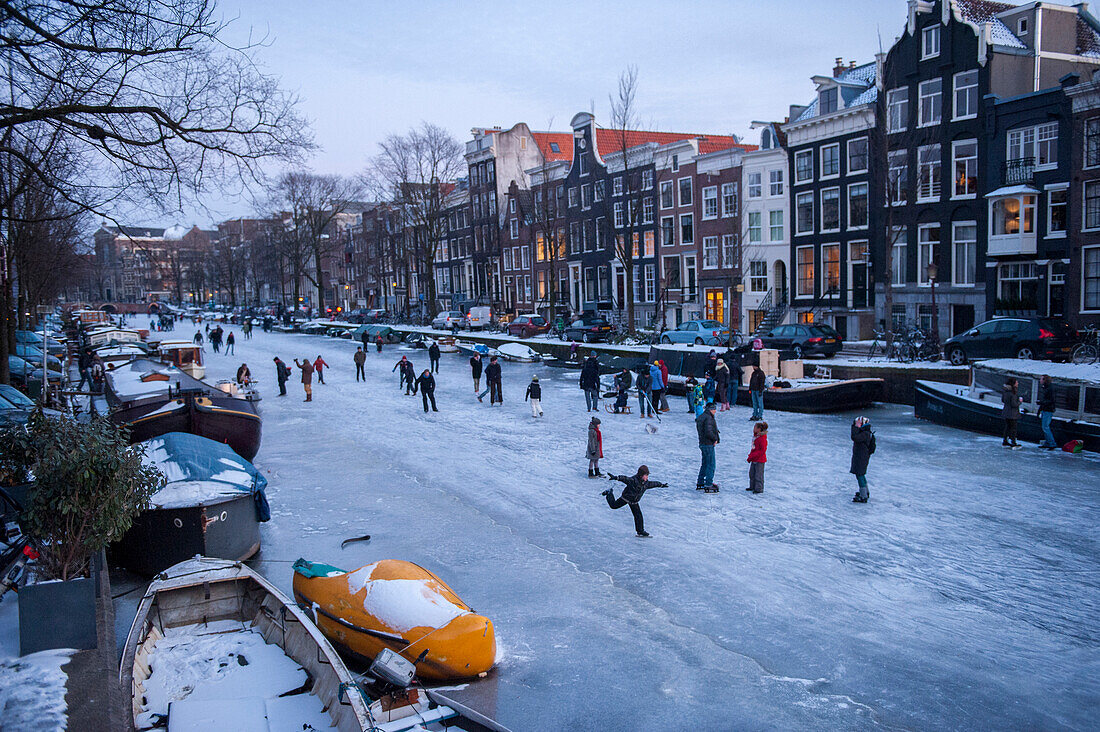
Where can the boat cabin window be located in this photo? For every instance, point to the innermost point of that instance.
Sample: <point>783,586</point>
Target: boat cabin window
<point>1067,397</point>
<point>1092,401</point>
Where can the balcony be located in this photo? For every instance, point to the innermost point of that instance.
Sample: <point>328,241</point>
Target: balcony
<point>1019,171</point>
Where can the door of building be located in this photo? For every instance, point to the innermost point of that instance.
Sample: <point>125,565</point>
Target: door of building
<point>962,318</point>
<point>715,304</point>
<point>859,285</point>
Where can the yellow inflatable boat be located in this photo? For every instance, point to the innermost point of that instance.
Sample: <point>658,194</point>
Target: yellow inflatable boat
<point>401,606</point>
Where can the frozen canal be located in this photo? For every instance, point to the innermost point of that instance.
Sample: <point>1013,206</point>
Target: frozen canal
<point>965,595</point>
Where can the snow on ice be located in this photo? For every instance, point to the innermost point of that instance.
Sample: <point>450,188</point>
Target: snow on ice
<point>965,594</point>
<point>32,688</point>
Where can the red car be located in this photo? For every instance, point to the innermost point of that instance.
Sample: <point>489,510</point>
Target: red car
<point>526,326</point>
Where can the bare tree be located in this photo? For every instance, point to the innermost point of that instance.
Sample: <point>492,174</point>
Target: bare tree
<point>419,168</point>
<point>150,96</point>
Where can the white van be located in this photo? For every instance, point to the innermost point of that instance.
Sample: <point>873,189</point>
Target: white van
<point>479,317</point>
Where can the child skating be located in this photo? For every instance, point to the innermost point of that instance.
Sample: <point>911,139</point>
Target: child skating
<point>758,456</point>
<point>594,450</point>
<point>863,446</point>
<point>534,393</point>
<point>635,488</point>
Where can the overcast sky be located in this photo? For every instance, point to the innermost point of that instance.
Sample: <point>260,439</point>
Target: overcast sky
<point>367,69</point>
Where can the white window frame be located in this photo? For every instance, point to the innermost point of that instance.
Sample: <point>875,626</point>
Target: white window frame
<point>866,207</point>
<point>729,249</point>
<point>1057,188</point>
<point>829,176</point>
<point>691,283</point>
<point>617,186</point>
<point>798,170</point>
<point>758,275</point>
<point>1084,272</point>
<point>933,194</point>
<point>710,196</point>
<point>955,195</point>
<point>711,253</point>
<point>691,219</point>
<point>1021,26</point>
<point>971,113</point>
<point>773,225</point>
<point>1090,131</point>
<point>572,197</point>
<point>1085,207</point>
<point>897,109</point>
<point>973,253</point>
<point>922,264</point>
<point>729,199</point>
<point>647,180</point>
<point>825,286</point>
<point>867,157</point>
<point>821,204</point>
<point>755,227</point>
<point>921,102</point>
<point>618,209</point>
<point>899,195</point>
<point>514,228</point>
<point>1044,139</point>
<point>666,185</point>
<point>775,183</point>
<point>900,256</point>
<point>680,191</point>
<point>804,196</point>
<point>927,36</point>
<point>798,272</point>
<point>754,186</point>
<point>647,210</point>
<point>525,257</point>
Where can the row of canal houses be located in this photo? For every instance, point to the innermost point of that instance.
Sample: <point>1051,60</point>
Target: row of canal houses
<point>953,178</point>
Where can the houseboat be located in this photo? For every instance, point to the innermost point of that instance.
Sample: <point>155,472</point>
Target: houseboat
<point>184,355</point>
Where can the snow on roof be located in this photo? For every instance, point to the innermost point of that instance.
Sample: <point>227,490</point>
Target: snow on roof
<point>1082,373</point>
<point>982,12</point>
<point>860,76</point>
<point>1088,40</point>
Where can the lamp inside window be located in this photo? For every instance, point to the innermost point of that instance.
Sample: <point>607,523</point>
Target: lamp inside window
<point>1007,218</point>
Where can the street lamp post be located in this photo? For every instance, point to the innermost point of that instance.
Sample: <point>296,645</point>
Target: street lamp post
<point>933,271</point>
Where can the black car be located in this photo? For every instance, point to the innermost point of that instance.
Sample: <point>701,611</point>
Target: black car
<point>804,339</point>
<point>588,328</point>
<point>1045,338</point>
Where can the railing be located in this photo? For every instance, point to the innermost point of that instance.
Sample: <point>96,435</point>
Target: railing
<point>1018,171</point>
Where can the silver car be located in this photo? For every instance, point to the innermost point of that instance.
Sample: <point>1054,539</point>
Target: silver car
<point>699,332</point>
<point>448,319</point>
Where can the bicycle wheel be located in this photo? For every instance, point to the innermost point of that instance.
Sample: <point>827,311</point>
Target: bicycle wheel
<point>736,339</point>
<point>1085,353</point>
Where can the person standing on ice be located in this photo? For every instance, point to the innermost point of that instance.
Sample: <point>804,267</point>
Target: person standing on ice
<point>405,370</point>
<point>1046,411</point>
<point>433,357</point>
<point>319,366</point>
<point>360,359</point>
<point>534,393</point>
<point>635,488</point>
<point>282,373</point>
<point>657,385</point>
<point>229,342</point>
<point>590,382</point>
<point>1010,400</point>
<point>198,338</point>
<point>756,392</point>
<point>664,383</point>
<point>475,370</point>
<point>758,457</point>
<point>378,343</point>
<point>722,385</point>
<point>863,447</point>
<point>426,385</point>
<point>594,450</point>
<point>643,382</point>
<point>307,377</point>
<point>492,383</point>
<point>707,429</point>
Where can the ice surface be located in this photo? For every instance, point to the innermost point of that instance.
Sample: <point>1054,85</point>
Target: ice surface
<point>966,594</point>
<point>403,604</point>
<point>32,688</point>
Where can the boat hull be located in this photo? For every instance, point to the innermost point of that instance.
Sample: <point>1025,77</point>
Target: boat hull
<point>462,647</point>
<point>940,403</point>
<point>233,422</point>
<point>839,396</point>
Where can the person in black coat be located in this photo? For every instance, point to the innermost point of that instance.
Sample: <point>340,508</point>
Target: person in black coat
<point>492,382</point>
<point>534,393</point>
<point>84,363</point>
<point>426,386</point>
<point>863,446</point>
<point>1010,401</point>
<point>282,373</point>
<point>1046,411</point>
<point>433,357</point>
<point>757,383</point>
<point>475,370</point>
<point>643,382</point>
<point>590,382</point>
<point>635,488</point>
<point>407,374</point>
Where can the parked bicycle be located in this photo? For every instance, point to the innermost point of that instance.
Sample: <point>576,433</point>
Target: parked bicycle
<point>1088,350</point>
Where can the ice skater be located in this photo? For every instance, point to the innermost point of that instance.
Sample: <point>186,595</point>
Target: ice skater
<point>756,392</point>
<point>643,382</point>
<point>426,385</point>
<point>492,383</point>
<point>534,393</point>
<point>758,457</point>
<point>433,357</point>
<point>1011,401</point>
<point>229,342</point>
<point>594,451</point>
<point>378,343</point>
<point>319,366</point>
<point>635,488</point>
<point>863,447</point>
<point>475,370</point>
<point>590,382</point>
<point>1046,411</point>
<point>407,374</point>
<point>307,377</point>
<point>282,373</point>
<point>707,428</point>
<point>360,359</point>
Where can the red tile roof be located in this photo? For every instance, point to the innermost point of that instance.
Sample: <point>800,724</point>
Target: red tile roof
<point>609,141</point>
<point>564,142</point>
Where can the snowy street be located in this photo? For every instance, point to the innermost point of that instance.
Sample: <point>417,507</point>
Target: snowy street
<point>965,594</point>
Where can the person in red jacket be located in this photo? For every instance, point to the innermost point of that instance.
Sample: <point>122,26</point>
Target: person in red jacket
<point>319,366</point>
<point>758,455</point>
<point>664,380</point>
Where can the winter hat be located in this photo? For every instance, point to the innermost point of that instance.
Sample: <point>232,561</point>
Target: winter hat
<point>710,405</point>
<point>534,378</point>
<point>596,420</point>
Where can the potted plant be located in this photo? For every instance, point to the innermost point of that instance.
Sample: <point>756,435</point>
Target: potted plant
<point>89,484</point>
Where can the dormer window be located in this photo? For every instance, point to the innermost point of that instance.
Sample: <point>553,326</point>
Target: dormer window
<point>766,140</point>
<point>827,100</point>
<point>1021,27</point>
<point>930,42</point>
<point>555,147</point>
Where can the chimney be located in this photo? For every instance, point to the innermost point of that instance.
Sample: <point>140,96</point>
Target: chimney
<point>839,68</point>
<point>851,64</point>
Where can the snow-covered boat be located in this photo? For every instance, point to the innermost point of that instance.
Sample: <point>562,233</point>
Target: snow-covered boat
<point>212,506</point>
<point>184,355</point>
<point>400,606</point>
<point>215,646</point>
<point>977,406</point>
<point>109,334</point>
<point>120,353</point>
<point>248,392</point>
<point>446,344</point>
<point>518,352</point>
<point>153,399</point>
<point>469,348</point>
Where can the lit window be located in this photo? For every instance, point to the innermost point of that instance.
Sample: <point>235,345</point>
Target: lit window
<point>805,269</point>
<point>830,268</point>
<point>1013,215</point>
<point>965,166</point>
<point>1056,212</point>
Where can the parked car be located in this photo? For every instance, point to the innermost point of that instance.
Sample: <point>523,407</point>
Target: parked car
<point>31,338</point>
<point>699,332</point>
<point>1045,338</point>
<point>526,326</point>
<point>479,317</point>
<point>588,328</point>
<point>804,339</point>
<point>448,319</point>
<point>34,355</point>
<point>367,315</point>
